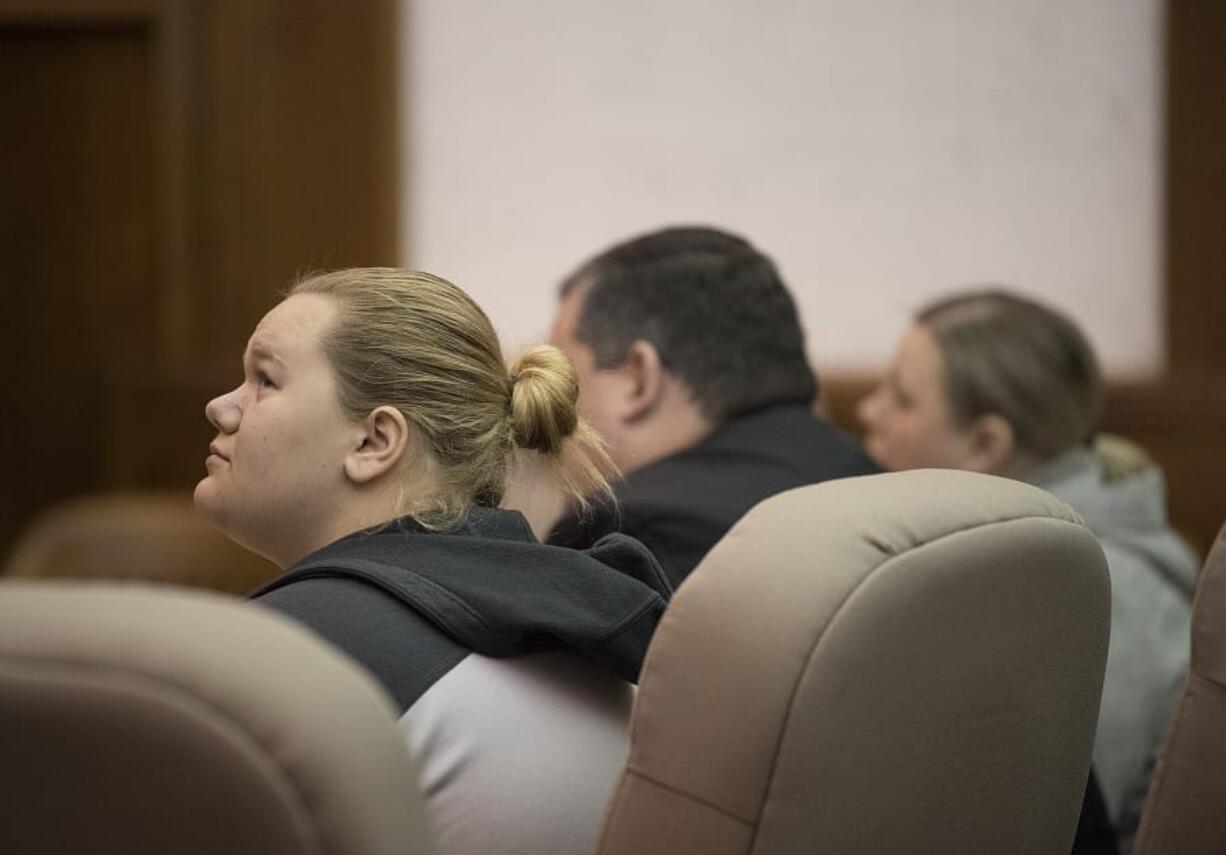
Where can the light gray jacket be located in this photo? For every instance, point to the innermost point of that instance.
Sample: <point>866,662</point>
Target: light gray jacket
<point>1153,574</point>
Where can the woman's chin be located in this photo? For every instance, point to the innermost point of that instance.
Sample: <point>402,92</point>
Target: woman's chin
<point>207,500</point>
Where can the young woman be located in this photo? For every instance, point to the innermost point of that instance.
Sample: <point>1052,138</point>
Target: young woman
<point>365,452</point>
<point>996,383</point>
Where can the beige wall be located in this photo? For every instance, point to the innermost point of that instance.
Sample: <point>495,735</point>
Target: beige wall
<point>882,151</point>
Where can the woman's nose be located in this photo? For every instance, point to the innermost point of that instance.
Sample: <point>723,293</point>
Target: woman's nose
<point>224,412</point>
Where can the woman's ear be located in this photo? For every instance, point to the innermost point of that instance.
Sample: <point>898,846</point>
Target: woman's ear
<point>383,443</point>
<point>644,375</point>
<point>993,445</point>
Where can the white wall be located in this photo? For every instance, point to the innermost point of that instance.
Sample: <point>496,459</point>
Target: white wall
<point>882,151</point>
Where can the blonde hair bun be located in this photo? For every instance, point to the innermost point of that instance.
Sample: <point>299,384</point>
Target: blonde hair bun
<point>544,399</point>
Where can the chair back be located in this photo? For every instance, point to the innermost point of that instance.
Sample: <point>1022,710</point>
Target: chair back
<point>908,662</point>
<point>1183,810</point>
<point>151,720</point>
<point>155,536</point>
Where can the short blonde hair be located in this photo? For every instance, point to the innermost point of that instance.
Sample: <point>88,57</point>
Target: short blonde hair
<point>416,342</point>
<point>1021,360</point>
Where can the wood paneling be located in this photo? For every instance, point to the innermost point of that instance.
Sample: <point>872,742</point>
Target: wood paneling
<point>170,166</point>
<point>77,13</point>
<point>1196,188</point>
<point>290,158</point>
<point>76,221</point>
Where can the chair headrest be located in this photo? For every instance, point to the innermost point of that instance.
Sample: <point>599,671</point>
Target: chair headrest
<point>159,719</point>
<point>888,640</point>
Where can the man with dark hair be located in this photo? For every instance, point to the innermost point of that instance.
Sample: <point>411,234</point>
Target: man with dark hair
<point>692,366</point>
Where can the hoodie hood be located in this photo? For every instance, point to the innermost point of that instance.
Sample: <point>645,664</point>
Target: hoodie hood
<point>494,589</point>
<point>1127,513</point>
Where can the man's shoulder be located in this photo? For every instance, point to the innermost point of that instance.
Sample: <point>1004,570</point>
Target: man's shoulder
<point>680,505</point>
<point>745,460</point>
<point>788,444</point>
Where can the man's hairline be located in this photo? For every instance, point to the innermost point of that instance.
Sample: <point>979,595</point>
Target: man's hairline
<point>578,286</point>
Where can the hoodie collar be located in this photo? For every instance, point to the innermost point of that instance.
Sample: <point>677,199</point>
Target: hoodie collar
<point>490,586</point>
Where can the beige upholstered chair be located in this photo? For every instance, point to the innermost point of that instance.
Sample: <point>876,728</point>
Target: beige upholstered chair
<point>141,720</point>
<point>156,536</point>
<point>1184,811</point>
<point>898,663</point>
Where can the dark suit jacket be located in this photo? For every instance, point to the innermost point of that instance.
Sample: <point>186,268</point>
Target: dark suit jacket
<point>681,505</point>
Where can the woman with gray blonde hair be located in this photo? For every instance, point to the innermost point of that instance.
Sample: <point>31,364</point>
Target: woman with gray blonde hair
<point>365,452</point>
<point>993,382</point>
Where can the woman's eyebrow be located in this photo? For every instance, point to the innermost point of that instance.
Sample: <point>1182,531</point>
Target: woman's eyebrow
<point>259,350</point>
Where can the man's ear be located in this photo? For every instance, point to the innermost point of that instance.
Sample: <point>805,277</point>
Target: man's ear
<point>993,445</point>
<point>382,444</point>
<point>643,374</point>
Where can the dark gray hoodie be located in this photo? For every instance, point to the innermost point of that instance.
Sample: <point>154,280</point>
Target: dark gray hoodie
<point>409,603</point>
<point>509,661</point>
